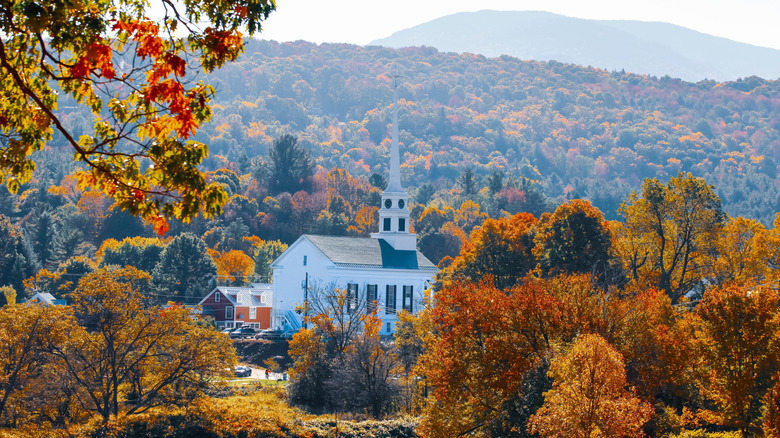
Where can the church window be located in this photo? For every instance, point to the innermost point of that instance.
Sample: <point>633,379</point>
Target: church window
<point>352,298</point>
<point>401,224</point>
<point>371,298</point>
<point>388,203</point>
<point>304,260</point>
<point>386,226</point>
<point>407,299</point>
<point>400,203</point>
<point>390,299</point>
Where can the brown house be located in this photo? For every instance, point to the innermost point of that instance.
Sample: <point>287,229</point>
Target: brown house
<point>238,306</point>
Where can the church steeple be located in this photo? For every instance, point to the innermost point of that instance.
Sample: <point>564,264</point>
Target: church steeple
<point>394,211</point>
<point>395,155</point>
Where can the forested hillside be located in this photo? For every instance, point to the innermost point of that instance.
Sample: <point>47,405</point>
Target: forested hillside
<point>578,132</point>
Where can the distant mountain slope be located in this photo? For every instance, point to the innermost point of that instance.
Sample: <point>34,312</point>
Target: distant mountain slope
<point>639,47</point>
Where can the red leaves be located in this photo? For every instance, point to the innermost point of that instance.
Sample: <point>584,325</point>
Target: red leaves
<point>223,42</point>
<point>98,55</point>
<point>177,64</point>
<point>145,32</point>
<point>160,225</point>
<point>159,89</point>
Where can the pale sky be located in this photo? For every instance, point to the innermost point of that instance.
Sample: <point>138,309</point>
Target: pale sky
<point>362,21</point>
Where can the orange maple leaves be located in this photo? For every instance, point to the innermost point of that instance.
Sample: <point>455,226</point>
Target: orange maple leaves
<point>98,55</point>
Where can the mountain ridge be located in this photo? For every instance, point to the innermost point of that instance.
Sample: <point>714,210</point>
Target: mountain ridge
<point>653,48</point>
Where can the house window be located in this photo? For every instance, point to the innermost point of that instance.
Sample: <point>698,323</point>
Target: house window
<point>352,298</point>
<point>264,298</point>
<point>239,300</point>
<point>390,299</point>
<point>304,260</point>
<point>407,299</point>
<point>371,298</point>
<point>401,224</point>
<point>386,226</point>
<point>217,294</point>
<point>253,313</point>
<point>229,312</point>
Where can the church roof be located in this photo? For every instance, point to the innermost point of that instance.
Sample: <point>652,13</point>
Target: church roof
<point>369,253</point>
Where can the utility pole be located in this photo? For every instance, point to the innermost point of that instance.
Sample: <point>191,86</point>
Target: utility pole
<point>306,302</point>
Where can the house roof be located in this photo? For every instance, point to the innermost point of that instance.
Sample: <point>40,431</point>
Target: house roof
<point>368,253</point>
<point>251,296</point>
<point>46,298</point>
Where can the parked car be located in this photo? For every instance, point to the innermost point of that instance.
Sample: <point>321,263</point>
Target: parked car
<point>243,332</point>
<point>273,334</point>
<point>228,330</point>
<point>242,371</point>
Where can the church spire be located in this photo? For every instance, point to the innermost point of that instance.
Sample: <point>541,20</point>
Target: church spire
<point>395,155</point>
<point>394,212</point>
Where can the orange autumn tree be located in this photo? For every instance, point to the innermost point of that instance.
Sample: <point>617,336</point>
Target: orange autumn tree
<point>589,396</point>
<point>137,75</point>
<point>736,340</point>
<point>500,248</point>
<point>488,340</point>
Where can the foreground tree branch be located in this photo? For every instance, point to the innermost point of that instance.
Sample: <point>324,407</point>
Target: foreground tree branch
<point>133,74</point>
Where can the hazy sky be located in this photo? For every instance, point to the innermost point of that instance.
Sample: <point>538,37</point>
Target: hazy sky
<point>362,21</point>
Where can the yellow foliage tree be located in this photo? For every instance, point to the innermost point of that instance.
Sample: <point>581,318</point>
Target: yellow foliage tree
<point>589,397</point>
<point>126,357</point>
<point>234,265</point>
<point>669,231</point>
<point>744,252</point>
<point>26,330</point>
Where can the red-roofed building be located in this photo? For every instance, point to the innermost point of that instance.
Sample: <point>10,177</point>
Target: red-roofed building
<point>232,306</point>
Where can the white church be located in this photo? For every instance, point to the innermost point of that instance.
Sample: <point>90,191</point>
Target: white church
<point>386,268</point>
